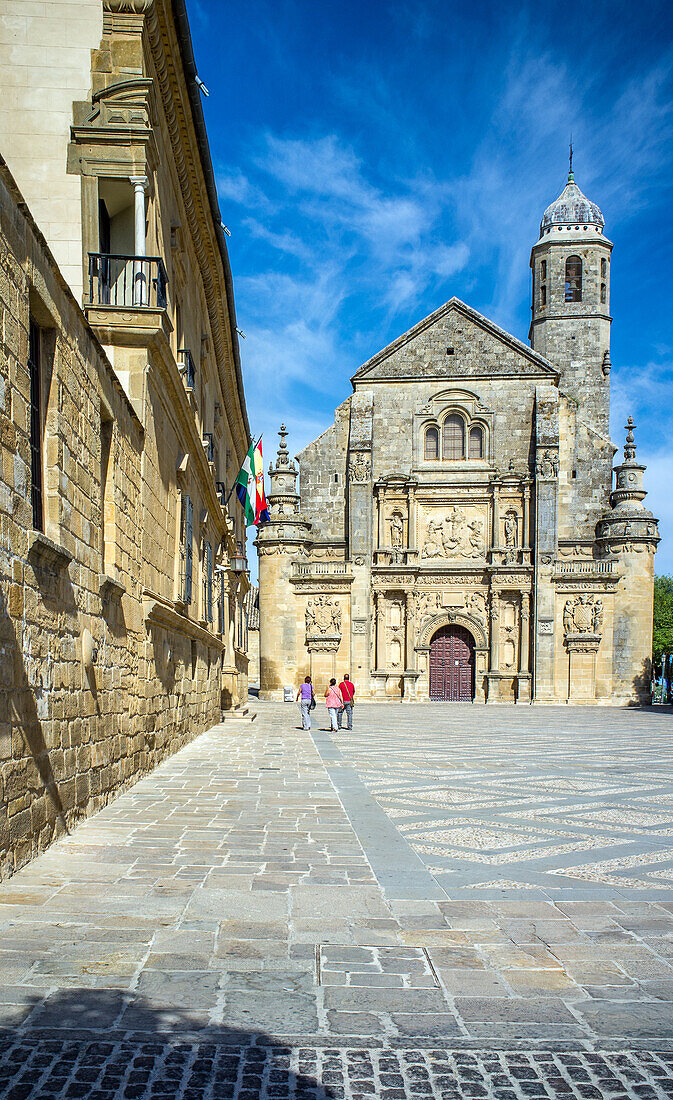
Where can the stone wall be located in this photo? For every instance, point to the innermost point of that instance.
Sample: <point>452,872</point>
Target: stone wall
<point>45,64</point>
<point>94,688</point>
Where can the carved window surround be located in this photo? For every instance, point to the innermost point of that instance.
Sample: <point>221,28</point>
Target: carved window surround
<point>468,406</point>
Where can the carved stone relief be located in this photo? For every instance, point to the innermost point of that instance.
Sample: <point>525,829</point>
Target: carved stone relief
<point>546,464</point>
<point>583,615</point>
<point>359,467</point>
<point>458,533</point>
<point>323,617</point>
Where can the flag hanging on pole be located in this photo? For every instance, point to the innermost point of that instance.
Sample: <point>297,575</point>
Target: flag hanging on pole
<point>250,486</point>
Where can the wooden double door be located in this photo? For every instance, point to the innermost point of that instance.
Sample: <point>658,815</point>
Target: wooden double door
<point>452,665</point>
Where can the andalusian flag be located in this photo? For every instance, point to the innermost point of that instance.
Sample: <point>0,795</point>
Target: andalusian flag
<point>250,486</point>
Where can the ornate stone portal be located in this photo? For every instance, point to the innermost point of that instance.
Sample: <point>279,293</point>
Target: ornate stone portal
<point>458,540</point>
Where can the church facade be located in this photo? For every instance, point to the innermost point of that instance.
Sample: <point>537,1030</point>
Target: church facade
<point>466,540</point>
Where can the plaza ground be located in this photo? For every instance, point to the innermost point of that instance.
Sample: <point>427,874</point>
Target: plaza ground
<point>448,901</point>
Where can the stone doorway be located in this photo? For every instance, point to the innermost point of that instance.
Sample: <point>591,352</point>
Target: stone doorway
<point>452,665</point>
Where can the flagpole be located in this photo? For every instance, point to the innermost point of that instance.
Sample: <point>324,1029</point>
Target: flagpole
<point>253,444</point>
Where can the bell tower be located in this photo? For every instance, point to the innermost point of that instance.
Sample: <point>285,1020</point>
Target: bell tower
<point>571,320</point>
<point>279,543</point>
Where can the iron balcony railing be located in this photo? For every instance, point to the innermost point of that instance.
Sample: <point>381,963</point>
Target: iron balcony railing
<point>127,281</point>
<point>187,367</point>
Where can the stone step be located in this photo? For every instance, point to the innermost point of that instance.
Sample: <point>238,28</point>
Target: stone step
<point>240,715</point>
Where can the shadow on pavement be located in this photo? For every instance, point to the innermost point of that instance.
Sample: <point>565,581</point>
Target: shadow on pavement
<point>108,1044</point>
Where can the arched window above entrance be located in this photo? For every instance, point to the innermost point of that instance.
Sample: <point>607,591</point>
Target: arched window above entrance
<point>453,437</point>
<point>431,444</point>
<point>476,444</point>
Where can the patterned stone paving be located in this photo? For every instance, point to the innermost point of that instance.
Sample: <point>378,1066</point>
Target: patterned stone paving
<point>446,902</point>
<point>583,795</point>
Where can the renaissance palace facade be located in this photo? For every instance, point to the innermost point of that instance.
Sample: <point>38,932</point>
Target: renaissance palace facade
<point>458,535</point>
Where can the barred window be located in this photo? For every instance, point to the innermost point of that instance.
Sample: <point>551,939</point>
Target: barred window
<point>453,438</point>
<point>573,283</point>
<point>35,425</point>
<point>186,540</point>
<point>208,583</point>
<point>431,444</point>
<point>476,446</point>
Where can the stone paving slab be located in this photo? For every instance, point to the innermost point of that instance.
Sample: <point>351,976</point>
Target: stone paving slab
<point>394,889</point>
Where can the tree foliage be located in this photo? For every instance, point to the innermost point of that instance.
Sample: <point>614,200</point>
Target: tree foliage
<point>662,626</point>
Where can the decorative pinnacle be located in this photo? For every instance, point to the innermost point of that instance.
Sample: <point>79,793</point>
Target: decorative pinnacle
<point>571,174</point>
<point>630,445</point>
<point>283,454</point>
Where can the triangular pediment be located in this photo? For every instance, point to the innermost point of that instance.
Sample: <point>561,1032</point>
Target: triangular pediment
<point>455,342</point>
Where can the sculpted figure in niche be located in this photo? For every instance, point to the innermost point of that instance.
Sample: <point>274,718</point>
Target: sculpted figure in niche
<point>510,529</point>
<point>396,531</point>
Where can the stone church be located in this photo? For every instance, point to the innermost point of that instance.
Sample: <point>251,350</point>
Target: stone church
<point>458,536</point>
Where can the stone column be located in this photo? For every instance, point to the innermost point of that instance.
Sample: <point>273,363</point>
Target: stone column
<point>524,681</point>
<point>410,617</point>
<point>380,630</point>
<point>140,273</point>
<point>525,632</point>
<point>381,513</point>
<point>496,516</point>
<point>411,519</point>
<point>139,185</point>
<point>493,677</point>
<point>525,534</point>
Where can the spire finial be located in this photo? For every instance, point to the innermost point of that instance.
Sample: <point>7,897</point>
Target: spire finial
<point>630,445</point>
<point>283,454</point>
<point>571,174</point>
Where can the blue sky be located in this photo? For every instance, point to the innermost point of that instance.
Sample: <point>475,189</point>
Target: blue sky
<point>374,159</point>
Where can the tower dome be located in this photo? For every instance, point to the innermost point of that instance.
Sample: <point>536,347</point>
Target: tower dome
<point>572,207</point>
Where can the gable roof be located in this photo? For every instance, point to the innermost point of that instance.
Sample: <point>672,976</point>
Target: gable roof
<point>537,364</point>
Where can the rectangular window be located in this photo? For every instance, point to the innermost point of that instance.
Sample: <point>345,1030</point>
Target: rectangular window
<point>186,540</point>
<point>543,269</point>
<point>543,296</point>
<point>604,267</point>
<point>221,616</point>
<point>208,583</point>
<point>34,348</point>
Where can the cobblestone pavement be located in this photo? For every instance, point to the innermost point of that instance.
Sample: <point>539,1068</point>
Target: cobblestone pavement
<point>446,902</point>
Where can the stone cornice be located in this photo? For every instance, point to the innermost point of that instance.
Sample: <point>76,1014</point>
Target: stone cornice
<point>173,97</point>
<point>177,400</point>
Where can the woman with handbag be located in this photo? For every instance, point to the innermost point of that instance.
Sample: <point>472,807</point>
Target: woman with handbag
<point>306,700</point>
<point>334,703</point>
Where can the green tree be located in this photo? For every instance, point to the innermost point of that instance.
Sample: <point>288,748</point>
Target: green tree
<point>662,624</point>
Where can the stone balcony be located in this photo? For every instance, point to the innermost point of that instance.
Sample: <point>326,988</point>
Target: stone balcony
<point>127,301</point>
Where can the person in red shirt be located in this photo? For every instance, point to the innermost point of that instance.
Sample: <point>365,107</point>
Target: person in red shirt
<point>347,690</point>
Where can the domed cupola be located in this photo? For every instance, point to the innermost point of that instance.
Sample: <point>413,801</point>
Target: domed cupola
<point>571,208</point>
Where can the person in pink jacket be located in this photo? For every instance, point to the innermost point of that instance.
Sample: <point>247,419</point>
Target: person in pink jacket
<point>334,702</point>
